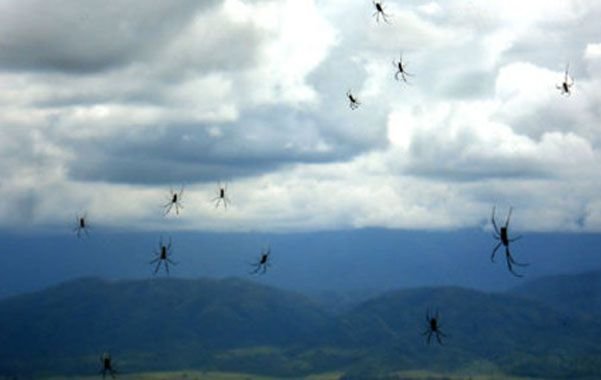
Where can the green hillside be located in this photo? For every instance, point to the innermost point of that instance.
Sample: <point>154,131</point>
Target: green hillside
<point>238,326</point>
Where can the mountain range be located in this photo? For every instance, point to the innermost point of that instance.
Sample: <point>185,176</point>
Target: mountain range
<point>547,328</point>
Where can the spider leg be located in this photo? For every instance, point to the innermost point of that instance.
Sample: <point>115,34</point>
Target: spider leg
<point>156,269</point>
<point>166,266</point>
<point>494,223</point>
<point>171,261</point>
<point>497,237</point>
<point>515,239</point>
<point>494,251</point>
<point>508,217</point>
<point>154,261</point>
<point>429,336</point>
<point>509,265</point>
<point>438,337</point>
<point>510,257</point>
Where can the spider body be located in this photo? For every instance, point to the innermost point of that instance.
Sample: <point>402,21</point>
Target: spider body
<point>107,365</point>
<point>566,86</point>
<point>221,196</point>
<point>433,328</point>
<point>260,267</point>
<point>163,256</point>
<point>174,201</point>
<point>81,226</point>
<point>353,102</point>
<point>401,70</point>
<point>502,234</point>
<point>379,11</point>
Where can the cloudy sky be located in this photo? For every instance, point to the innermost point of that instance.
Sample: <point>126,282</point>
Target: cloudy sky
<point>105,106</point>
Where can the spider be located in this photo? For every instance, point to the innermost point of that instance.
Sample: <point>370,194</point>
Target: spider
<point>353,102</point>
<point>263,263</point>
<point>503,237</point>
<point>221,196</point>
<point>107,365</point>
<point>174,201</point>
<point>567,83</point>
<point>162,256</point>
<point>81,225</point>
<point>401,70</point>
<point>379,11</point>
<point>433,327</point>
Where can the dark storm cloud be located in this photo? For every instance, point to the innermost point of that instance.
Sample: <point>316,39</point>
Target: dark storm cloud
<point>208,152</point>
<point>87,36</point>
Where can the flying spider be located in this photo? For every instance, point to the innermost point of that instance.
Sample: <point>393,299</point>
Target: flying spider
<point>163,256</point>
<point>353,101</point>
<point>400,66</point>
<point>433,327</point>
<point>221,196</point>
<point>262,263</point>
<point>81,225</point>
<point>174,201</point>
<point>503,237</point>
<point>107,365</point>
<point>567,83</point>
<point>379,11</point>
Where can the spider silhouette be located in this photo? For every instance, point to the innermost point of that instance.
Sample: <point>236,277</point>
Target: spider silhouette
<point>400,67</point>
<point>567,84</point>
<point>163,256</point>
<point>502,235</point>
<point>221,196</point>
<point>433,328</point>
<point>107,365</point>
<point>379,11</point>
<point>174,201</point>
<point>81,226</point>
<point>260,267</point>
<point>353,101</point>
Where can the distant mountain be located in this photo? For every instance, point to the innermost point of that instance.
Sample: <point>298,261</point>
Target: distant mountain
<point>578,293</point>
<point>237,325</point>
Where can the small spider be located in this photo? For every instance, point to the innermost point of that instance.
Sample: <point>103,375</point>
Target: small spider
<point>433,327</point>
<point>263,263</point>
<point>379,11</point>
<point>353,101</point>
<point>81,225</point>
<point>400,66</point>
<point>174,201</point>
<point>162,256</point>
<point>503,237</point>
<point>107,365</point>
<point>567,84</point>
<point>221,196</point>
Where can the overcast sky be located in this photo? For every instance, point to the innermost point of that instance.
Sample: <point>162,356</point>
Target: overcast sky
<point>106,105</point>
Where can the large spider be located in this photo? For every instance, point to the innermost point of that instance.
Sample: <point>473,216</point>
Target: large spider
<point>107,365</point>
<point>81,225</point>
<point>174,201</point>
<point>502,235</point>
<point>400,67</point>
<point>353,101</point>
<point>221,196</point>
<point>433,328</point>
<point>163,256</point>
<point>567,83</point>
<point>262,263</point>
<point>379,11</point>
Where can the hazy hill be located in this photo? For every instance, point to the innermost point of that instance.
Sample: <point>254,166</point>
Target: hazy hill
<point>579,293</point>
<point>238,325</point>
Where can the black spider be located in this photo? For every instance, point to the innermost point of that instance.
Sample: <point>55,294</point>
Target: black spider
<point>567,84</point>
<point>221,196</point>
<point>174,201</point>
<point>433,328</point>
<point>353,101</point>
<point>379,11</point>
<point>107,365</point>
<point>262,263</point>
<point>503,237</point>
<point>163,256</point>
<point>400,67</point>
<point>81,226</point>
